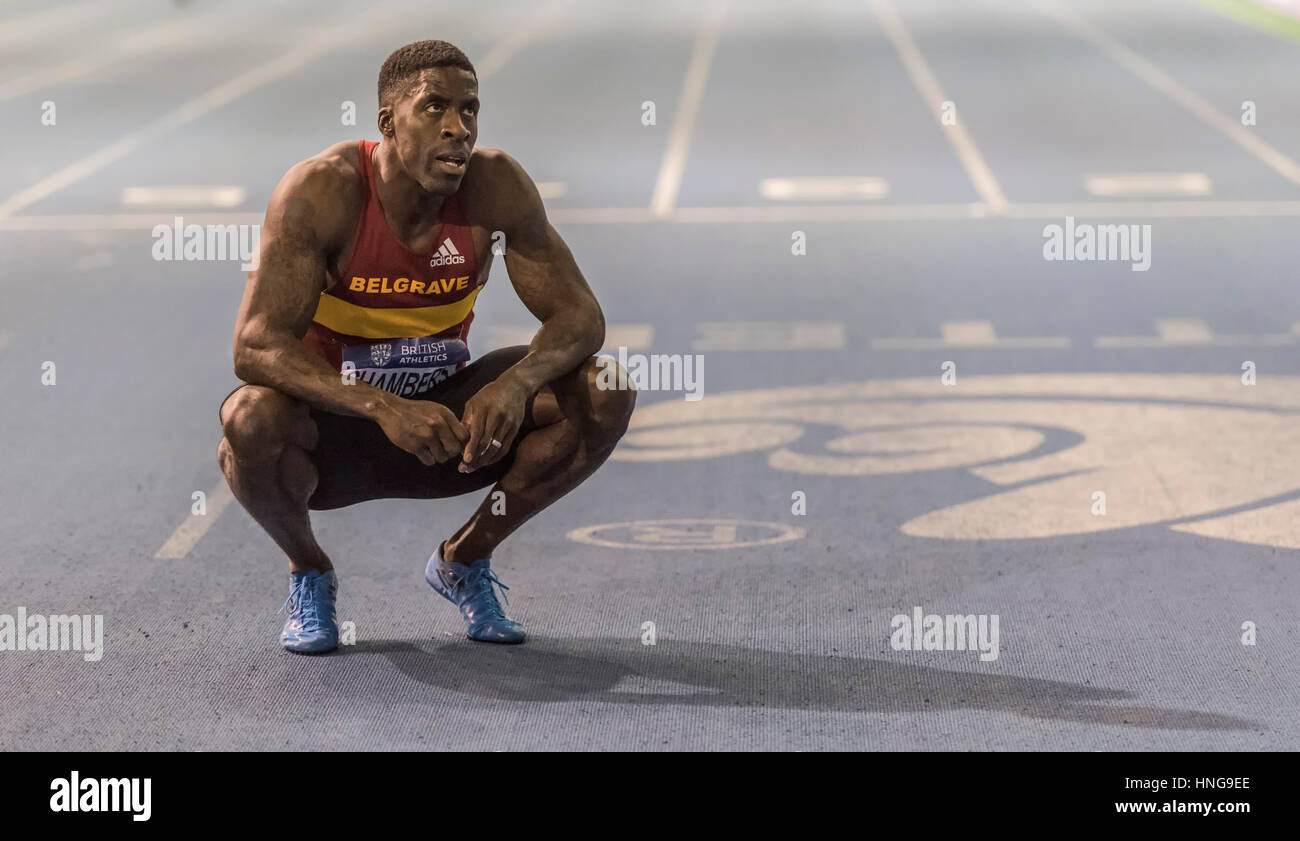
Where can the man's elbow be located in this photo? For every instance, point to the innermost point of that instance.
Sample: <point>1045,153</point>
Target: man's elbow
<point>247,357</point>
<point>596,339</point>
<point>243,363</point>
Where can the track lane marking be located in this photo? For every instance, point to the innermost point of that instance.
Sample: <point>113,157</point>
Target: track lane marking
<point>1163,82</point>
<point>1192,331</point>
<point>552,189</point>
<point>971,334</point>
<point>823,188</point>
<point>634,337</point>
<point>324,42</point>
<point>769,335</point>
<point>938,212</point>
<point>526,31</point>
<point>193,196</point>
<point>130,42</point>
<point>673,165</point>
<point>1195,332</point>
<point>1148,184</point>
<point>191,531</point>
<point>926,83</point>
<point>54,21</point>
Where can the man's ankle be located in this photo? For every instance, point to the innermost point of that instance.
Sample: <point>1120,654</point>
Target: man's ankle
<point>456,554</point>
<point>302,569</point>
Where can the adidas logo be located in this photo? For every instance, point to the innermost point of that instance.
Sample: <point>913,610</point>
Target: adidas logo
<point>447,255</point>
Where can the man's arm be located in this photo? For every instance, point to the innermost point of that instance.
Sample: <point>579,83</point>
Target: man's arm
<point>549,283</point>
<point>281,296</point>
<point>306,215</point>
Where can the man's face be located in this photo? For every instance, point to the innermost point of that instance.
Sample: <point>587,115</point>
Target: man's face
<point>434,127</point>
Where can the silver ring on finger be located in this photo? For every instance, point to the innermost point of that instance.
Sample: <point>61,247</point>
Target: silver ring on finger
<point>495,444</point>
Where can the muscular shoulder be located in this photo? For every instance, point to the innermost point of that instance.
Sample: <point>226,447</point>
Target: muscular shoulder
<point>321,196</point>
<point>500,194</point>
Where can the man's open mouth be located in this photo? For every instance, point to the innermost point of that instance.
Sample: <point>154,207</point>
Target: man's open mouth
<point>452,163</point>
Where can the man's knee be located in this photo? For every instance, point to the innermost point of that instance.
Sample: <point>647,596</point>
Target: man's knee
<point>610,396</point>
<point>259,422</point>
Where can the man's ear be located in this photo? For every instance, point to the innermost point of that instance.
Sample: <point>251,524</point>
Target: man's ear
<point>386,120</point>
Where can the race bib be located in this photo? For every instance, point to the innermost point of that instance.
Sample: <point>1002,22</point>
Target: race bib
<point>406,367</point>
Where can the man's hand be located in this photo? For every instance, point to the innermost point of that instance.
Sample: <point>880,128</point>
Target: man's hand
<point>429,431</point>
<point>494,414</point>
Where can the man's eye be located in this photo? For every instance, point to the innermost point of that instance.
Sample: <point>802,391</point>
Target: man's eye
<point>435,106</point>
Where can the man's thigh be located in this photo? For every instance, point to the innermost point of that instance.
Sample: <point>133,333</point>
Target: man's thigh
<point>355,461</point>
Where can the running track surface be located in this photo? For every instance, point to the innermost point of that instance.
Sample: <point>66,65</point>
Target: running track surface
<point>822,378</point>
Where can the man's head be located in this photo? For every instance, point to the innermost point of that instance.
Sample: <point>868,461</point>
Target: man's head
<point>428,110</point>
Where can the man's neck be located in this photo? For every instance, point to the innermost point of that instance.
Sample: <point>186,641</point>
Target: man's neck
<point>411,210</point>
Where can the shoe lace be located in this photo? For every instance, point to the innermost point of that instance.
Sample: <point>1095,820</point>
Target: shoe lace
<point>309,601</point>
<point>479,582</point>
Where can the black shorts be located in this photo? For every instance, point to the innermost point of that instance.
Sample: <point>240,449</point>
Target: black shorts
<point>356,462</point>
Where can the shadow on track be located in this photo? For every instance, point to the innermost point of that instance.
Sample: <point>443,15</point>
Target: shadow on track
<point>712,675</point>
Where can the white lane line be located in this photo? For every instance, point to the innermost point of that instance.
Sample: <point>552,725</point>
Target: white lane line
<point>81,223</point>
<point>1149,184</point>
<point>229,91</point>
<point>1156,209</point>
<point>183,197</point>
<point>552,189</point>
<point>631,336</point>
<point>769,335</point>
<point>972,334</point>
<point>559,216</point>
<point>58,20</point>
<point>823,188</point>
<point>830,213</point>
<point>1185,332</point>
<point>673,165</point>
<point>188,533</point>
<point>600,215</point>
<point>1219,340</point>
<point>1210,209</point>
<point>528,30</point>
<point>1161,81</point>
<point>976,168</point>
<point>969,333</point>
<point>173,36</point>
<point>634,337</point>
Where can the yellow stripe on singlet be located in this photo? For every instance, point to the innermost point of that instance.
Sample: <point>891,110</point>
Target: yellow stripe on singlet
<point>392,322</point>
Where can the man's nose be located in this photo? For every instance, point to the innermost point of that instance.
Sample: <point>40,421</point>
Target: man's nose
<point>453,126</point>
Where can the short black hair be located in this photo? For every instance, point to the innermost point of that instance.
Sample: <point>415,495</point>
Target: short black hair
<point>411,59</point>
